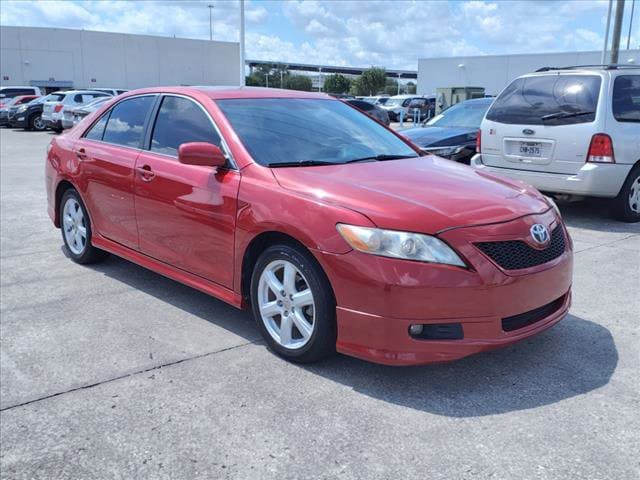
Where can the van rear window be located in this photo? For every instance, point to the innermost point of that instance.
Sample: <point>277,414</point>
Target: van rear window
<point>548,100</point>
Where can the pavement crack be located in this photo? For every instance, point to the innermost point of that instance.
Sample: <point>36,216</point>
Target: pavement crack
<point>126,375</point>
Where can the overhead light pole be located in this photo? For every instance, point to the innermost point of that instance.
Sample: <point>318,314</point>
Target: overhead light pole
<point>633,4</point>
<point>617,31</point>
<point>242,80</point>
<point>603,59</point>
<point>210,21</point>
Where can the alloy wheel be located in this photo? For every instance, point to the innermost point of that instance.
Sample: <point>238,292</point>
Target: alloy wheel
<point>634,195</point>
<point>286,304</point>
<point>38,123</point>
<point>74,225</point>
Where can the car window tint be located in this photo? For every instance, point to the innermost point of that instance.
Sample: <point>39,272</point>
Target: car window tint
<point>362,105</point>
<point>126,122</point>
<point>96,132</point>
<point>181,121</point>
<point>526,100</point>
<point>626,98</point>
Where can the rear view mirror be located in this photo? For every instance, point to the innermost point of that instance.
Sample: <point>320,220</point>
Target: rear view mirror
<point>201,153</point>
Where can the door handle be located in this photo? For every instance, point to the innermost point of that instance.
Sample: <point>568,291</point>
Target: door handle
<point>146,174</point>
<point>81,153</point>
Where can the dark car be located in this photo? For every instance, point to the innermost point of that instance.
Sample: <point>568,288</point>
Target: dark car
<point>373,111</point>
<point>11,105</point>
<point>29,116</point>
<point>452,134</point>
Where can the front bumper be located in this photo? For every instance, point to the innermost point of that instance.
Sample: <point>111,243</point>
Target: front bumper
<point>592,180</point>
<point>379,298</point>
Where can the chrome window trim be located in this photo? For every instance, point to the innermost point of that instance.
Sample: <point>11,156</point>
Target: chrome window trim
<point>233,165</point>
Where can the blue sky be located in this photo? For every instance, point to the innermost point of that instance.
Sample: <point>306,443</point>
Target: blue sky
<point>391,33</point>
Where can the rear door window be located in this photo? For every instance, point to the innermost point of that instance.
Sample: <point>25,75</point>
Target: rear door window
<point>179,121</point>
<point>626,98</point>
<point>126,122</point>
<point>548,100</point>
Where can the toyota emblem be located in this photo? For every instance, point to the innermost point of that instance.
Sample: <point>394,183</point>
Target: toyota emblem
<point>539,233</point>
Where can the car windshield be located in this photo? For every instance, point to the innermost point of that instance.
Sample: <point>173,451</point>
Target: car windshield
<point>462,115</point>
<point>295,130</point>
<point>548,100</point>
<point>394,102</point>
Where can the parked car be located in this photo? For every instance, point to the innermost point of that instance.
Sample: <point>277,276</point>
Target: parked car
<point>328,225</point>
<point>53,110</point>
<point>16,91</point>
<point>572,131</point>
<point>372,110</point>
<point>29,116</point>
<point>111,91</point>
<point>407,104</point>
<point>13,103</point>
<point>73,116</point>
<point>375,100</point>
<point>452,134</point>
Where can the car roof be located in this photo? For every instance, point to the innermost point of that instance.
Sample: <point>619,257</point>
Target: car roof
<point>228,92</point>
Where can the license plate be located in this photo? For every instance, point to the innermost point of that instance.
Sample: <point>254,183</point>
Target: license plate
<point>530,149</point>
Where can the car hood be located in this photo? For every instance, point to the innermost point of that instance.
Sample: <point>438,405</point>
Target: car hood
<point>440,136</point>
<point>426,194</point>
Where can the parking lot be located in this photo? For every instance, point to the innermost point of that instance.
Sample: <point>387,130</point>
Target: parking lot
<point>112,371</point>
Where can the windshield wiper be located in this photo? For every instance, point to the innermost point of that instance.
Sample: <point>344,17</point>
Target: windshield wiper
<point>300,163</point>
<point>555,115</point>
<point>380,158</point>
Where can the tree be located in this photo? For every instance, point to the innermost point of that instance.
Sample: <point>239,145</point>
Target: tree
<point>411,87</point>
<point>371,82</point>
<point>298,82</point>
<point>391,87</point>
<point>337,83</point>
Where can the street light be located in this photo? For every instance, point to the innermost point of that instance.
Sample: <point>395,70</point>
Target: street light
<point>210,21</point>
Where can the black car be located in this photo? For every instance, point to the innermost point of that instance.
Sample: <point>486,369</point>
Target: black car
<point>29,116</point>
<point>372,110</point>
<point>452,134</point>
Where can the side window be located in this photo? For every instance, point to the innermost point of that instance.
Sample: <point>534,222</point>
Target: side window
<point>626,98</point>
<point>181,121</point>
<point>126,122</point>
<point>96,132</point>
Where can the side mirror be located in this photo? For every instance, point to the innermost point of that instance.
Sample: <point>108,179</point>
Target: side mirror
<point>201,153</point>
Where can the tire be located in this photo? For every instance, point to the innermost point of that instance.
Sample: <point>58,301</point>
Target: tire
<point>74,219</point>
<point>311,335</point>
<point>626,206</point>
<point>36,123</point>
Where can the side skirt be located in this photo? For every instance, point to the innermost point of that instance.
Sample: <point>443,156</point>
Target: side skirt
<point>182,276</point>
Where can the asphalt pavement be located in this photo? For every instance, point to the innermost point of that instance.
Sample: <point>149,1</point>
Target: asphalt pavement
<point>112,371</point>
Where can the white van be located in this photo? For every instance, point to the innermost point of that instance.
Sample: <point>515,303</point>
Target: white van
<point>572,131</point>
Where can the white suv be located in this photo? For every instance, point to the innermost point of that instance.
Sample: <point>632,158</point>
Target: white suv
<point>572,131</point>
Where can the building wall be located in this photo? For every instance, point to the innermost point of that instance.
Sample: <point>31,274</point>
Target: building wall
<point>494,72</point>
<point>99,59</point>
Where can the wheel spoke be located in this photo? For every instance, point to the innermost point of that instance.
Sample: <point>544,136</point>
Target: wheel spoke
<point>269,309</point>
<point>289,278</point>
<point>77,213</point>
<point>286,326</point>
<point>303,298</point>
<point>302,324</point>
<point>82,231</point>
<point>78,240</point>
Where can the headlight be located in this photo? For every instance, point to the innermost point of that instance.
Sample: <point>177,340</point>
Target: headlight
<point>394,244</point>
<point>21,108</point>
<point>444,151</point>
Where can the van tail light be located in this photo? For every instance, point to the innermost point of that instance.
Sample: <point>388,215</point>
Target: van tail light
<point>478,141</point>
<point>57,108</point>
<point>601,149</point>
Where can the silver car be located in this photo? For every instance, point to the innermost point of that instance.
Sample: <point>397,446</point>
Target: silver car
<point>571,132</point>
<point>77,114</point>
<point>53,112</point>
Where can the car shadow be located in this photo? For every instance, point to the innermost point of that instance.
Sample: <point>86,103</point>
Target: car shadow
<point>574,357</point>
<point>592,214</point>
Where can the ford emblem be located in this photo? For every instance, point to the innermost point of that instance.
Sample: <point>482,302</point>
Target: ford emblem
<point>528,131</point>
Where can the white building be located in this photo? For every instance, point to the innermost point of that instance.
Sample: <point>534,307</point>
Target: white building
<point>56,58</point>
<point>494,72</point>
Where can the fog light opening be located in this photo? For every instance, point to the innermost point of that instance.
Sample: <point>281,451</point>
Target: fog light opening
<point>416,330</point>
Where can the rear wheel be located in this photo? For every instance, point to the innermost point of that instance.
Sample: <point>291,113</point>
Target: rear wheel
<point>293,304</point>
<point>76,230</point>
<point>626,206</point>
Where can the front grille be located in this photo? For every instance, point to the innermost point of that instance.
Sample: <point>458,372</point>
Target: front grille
<point>525,319</point>
<point>516,254</point>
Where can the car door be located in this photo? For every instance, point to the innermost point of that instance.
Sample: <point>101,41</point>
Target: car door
<point>623,124</point>
<point>186,213</point>
<point>108,151</point>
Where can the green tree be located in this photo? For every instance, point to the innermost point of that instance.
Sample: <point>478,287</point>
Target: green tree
<point>371,82</point>
<point>298,82</point>
<point>337,83</point>
<point>411,87</point>
<point>391,87</point>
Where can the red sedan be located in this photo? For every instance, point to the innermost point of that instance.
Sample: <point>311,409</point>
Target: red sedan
<point>336,232</point>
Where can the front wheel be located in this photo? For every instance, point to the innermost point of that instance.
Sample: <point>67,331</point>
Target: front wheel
<point>76,230</point>
<point>626,206</point>
<point>293,304</point>
<point>36,123</point>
